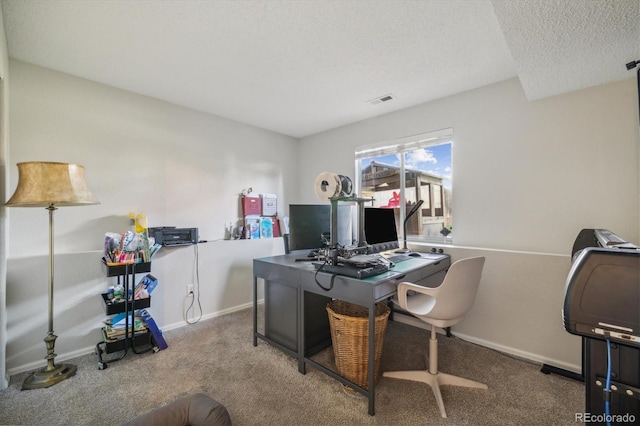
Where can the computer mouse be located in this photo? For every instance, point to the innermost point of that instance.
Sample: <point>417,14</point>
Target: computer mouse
<point>415,254</point>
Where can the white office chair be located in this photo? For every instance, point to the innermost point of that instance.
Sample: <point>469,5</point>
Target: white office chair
<point>442,306</point>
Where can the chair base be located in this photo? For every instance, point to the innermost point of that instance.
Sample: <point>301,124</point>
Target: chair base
<point>435,381</point>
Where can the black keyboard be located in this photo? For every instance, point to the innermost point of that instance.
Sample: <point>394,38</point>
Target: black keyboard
<point>397,258</point>
<point>351,271</point>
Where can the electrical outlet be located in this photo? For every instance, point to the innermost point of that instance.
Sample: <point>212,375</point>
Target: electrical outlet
<point>189,289</point>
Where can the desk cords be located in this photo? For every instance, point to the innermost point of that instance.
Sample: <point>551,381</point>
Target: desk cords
<point>333,277</point>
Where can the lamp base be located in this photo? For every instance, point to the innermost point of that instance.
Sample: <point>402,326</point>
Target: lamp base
<point>402,250</point>
<point>45,378</point>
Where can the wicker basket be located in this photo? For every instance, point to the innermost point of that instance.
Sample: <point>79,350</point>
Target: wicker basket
<point>350,336</point>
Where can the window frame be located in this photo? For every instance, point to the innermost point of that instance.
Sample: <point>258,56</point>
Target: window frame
<point>399,147</point>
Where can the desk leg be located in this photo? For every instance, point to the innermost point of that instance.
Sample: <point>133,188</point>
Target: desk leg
<point>301,334</point>
<point>372,349</point>
<point>255,311</point>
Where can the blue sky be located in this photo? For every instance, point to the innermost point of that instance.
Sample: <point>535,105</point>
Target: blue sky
<point>434,159</point>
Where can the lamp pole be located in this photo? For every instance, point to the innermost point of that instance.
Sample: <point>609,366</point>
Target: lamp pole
<point>50,340</point>
<point>51,374</point>
<point>50,185</point>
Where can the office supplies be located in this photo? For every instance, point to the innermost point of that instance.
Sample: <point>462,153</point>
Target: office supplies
<point>146,286</point>
<point>172,236</point>
<point>269,204</point>
<point>251,206</point>
<point>266,227</point>
<point>251,227</point>
<point>156,333</point>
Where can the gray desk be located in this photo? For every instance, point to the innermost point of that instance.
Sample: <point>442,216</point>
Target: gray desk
<point>296,320</point>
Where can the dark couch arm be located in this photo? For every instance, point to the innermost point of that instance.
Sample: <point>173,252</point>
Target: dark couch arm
<point>194,410</point>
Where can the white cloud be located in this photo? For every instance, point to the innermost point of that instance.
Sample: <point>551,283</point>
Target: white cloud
<point>420,156</point>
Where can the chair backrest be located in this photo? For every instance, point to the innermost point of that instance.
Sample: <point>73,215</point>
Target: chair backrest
<point>458,290</point>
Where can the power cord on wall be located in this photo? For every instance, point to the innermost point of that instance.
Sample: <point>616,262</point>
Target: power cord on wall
<point>194,296</point>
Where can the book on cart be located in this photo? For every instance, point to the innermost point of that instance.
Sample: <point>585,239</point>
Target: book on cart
<point>111,334</point>
<point>156,333</point>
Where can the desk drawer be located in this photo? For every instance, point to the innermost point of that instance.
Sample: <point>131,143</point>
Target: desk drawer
<point>432,280</point>
<point>413,276</point>
<point>429,275</point>
<point>384,290</point>
<point>434,269</point>
<point>282,274</point>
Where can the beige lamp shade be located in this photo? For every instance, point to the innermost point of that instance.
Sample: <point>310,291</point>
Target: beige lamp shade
<point>41,184</point>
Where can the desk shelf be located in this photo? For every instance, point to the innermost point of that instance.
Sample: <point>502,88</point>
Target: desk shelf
<point>112,308</point>
<point>121,269</point>
<point>132,340</point>
<point>116,345</point>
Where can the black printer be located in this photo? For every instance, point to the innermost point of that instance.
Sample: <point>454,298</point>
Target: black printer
<point>602,302</point>
<point>602,294</point>
<point>172,236</point>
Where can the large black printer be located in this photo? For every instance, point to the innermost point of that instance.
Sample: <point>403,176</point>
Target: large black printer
<point>602,304</point>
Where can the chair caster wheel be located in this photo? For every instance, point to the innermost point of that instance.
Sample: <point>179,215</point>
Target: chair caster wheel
<point>102,366</point>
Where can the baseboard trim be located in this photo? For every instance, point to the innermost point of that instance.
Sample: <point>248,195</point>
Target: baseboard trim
<point>216,314</point>
<point>537,358</point>
<point>36,365</point>
<point>398,317</point>
<point>524,355</point>
<point>91,349</point>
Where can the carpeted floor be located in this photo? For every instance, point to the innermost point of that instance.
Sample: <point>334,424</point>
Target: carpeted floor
<point>261,385</point>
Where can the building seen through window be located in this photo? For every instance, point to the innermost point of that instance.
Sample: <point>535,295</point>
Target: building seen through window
<point>400,173</point>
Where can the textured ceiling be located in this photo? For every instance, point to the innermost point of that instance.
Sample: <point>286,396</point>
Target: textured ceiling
<point>561,46</point>
<point>303,67</point>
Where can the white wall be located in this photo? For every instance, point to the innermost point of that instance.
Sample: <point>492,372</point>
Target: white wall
<point>527,177</point>
<point>4,132</point>
<point>178,166</point>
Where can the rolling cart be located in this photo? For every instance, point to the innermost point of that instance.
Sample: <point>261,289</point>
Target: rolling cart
<point>138,342</point>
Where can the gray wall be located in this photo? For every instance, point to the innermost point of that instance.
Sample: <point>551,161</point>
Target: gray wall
<point>527,177</point>
<point>4,132</point>
<point>178,166</point>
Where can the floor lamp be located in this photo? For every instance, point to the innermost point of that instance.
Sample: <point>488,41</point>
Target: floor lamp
<point>50,185</point>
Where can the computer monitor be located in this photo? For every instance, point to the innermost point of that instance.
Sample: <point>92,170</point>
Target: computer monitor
<point>308,223</point>
<point>380,229</point>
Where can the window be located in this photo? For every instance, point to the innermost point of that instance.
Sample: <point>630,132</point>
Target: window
<point>397,174</point>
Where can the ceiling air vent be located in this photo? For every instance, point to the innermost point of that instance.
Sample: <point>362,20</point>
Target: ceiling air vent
<point>384,98</point>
